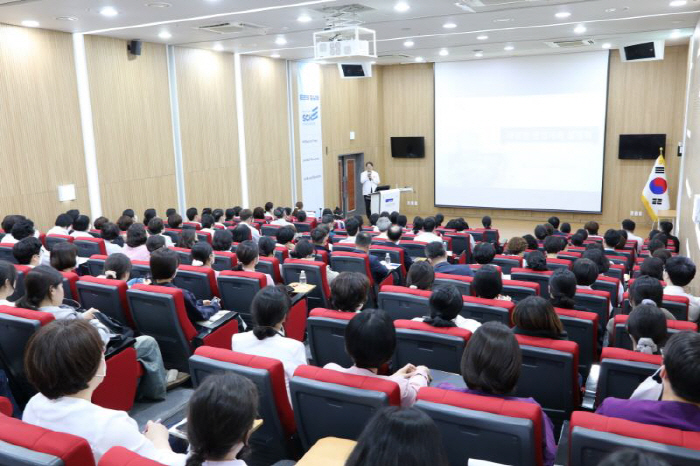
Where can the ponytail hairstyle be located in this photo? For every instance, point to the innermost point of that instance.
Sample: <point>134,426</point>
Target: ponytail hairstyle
<point>562,289</point>
<point>246,252</point>
<point>445,304</point>
<point>202,251</point>
<point>269,307</point>
<point>220,415</point>
<point>38,284</point>
<point>647,326</point>
<point>536,261</point>
<point>117,266</point>
<point>302,250</point>
<point>8,273</point>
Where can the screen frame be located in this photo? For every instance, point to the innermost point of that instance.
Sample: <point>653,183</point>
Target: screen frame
<point>602,178</point>
<point>654,157</point>
<point>391,146</point>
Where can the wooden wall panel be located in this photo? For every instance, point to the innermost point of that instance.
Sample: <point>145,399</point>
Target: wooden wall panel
<point>208,126</point>
<point>267,130</point>
<point>133,128</point>
<point>41,145</point>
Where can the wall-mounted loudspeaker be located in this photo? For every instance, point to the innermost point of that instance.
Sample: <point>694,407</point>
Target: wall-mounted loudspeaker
<point>646,51</point>
<point>134,47</point>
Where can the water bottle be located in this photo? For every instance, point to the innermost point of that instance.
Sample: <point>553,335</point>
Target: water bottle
<point>387,258</point>
<point>302,278</point>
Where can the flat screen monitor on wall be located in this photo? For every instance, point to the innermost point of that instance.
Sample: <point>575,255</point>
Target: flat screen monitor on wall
<point>521,133</point>
<point>408,148</point>
<point>641,146</point>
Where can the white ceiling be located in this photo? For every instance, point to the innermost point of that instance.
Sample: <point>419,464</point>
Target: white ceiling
<point>524,24</point>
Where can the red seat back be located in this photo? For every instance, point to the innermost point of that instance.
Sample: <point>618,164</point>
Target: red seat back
<point>120,456</point>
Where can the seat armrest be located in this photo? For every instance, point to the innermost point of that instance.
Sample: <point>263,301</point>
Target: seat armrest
<point>213,327</point>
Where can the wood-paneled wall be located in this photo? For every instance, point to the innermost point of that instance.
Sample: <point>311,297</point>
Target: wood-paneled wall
<point>133,128</point>
<point>41,145</point>
<point>208,127</point>
<point>266,130</point>
<point>644,97</point>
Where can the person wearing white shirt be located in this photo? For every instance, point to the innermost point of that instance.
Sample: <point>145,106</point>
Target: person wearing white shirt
<point>445,304</point>
<point>247,220</point>
<point>369,180</point>
<point>427,235</point>
<point>156,227</point>
<point>66,365</point>
<point>269,309</point>
<point>681,271</point>
<point>352,226</point>
<point>80,227</point>
<point>629,226</point>
<point>61,225</point>
<point>221,415</point>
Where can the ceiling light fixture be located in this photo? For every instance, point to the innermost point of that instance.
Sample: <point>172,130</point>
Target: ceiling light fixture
<point>678,3</point>
<point>108,11</point>
<point>444,52</point>
<point>66,18</point>
<point>610,10</point>
<point>503,20</point>
<point>30,23</point>
<point>304,18</point>
<point>508,48</point>
<point>419,59</point>
<point>165,35</point>
<point>409,43</point>
<point>580,29</point>
<point>281,41</point>
<point>482,37</point>
<point>449,25</point>
<point>402,7</point>
<point>159,5</point>
<point>218,47</point>
<point>562,14</point>
<point>606,45</point>
<point>479,54</point>
<point>275,55</point>
<point>675,34</point>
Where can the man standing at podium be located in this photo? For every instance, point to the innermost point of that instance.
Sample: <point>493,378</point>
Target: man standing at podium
<point>370,180</point>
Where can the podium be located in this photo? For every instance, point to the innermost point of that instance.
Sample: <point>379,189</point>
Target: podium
<point>388,200</point>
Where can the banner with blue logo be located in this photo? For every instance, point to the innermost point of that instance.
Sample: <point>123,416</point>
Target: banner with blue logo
<point>310,144</point>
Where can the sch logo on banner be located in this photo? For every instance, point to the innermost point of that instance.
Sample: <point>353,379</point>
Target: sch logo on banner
<point>310,116</point>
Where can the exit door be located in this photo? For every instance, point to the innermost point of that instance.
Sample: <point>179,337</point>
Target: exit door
<point>350,190</point>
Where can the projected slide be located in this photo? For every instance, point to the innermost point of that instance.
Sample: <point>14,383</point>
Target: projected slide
<point>521,133</point>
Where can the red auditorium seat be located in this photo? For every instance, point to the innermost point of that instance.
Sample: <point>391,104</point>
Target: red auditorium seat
<point>329,403</point>
<point>395,253</point>
<point>518,290</point>
<point>224,260</point>
<point>173,234</point>
<point>507,263</point>
<point>485,310</point>
<point>268,375</point>
<point>554,264</point>
<point>238,288</point>
<point>323,256</point>
<point>569,255</point>
<point>269,230</point>
<point>270,266</point>
<point>463,283</point>
<point>621,339</point>
<point>528,275</point>
<point>476,267</point>
<point>159,311</point>
<point>201,281</point>
<point>616,271</point>
<point>326,336</point>
<point>204,236</point>
<point>140,269</point>
<point>609,284</point>
<point>184,254</point>
<point>50,240</point>
<point>676,305</point>
<point>281,253</point>
<point>30,445</point>
<point>5,407</point>
<point>70,290</point>
<point>592,437</point>
<point>594,301</point>
<point>414,248</point>
<point>194,225</point>
<point>22,270</point>
<point>420,344</point>
<point>582,327</point>
<point>96,264</point>
<point>622,370</point>
<point>401,302</point>
<point>461,243</point>
<point>480,427</point>
<point>120,456</point>
<point>109,296</point>
<point>315,275</point>
<point>88,247</point>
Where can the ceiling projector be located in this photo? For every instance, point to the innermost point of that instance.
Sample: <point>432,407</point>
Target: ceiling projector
<point>352,48</point>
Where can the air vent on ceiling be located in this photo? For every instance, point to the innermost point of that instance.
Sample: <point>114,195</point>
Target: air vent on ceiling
<point>400,56</point>
<point>567,44</point>
<point>472,6</point>
<point>233,28</point>
<point>353,8</point>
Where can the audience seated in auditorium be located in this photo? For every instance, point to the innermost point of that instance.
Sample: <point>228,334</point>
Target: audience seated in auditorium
<point>666,229</point>
<point>382,226</point>
<point>680,271</point>
<point>304,250</point>
<point>118,267</point>
<point>437,257</point>
<point>8,281</point>
<point>349,291</point>
<point>98,222</point>
<point>540,232</point>
<point>484,253</point>
<point>217,214</point>
<point>577,239</point>
<point>266,246</point>
<point>611,240</point>
<point>28,251</point>
<point>421,276</point>
<point>653,267</point>
<point>488,284</point>
<point>65,363</point>
<point>320,236</point>
<point>596,254</point>
<point>534,316</point>
<point>112,239</point>
<point>394,235</point>
<point>22,228</point>
<point>486,222</point>
<point>130,213</point>
<point>148,214</point>
<point>491,367</point>
<point>648,290</point>
<point>258,213</point>
<point>164,264</point>
<point>586,273</point>
<point>663,254</point>
<point>646,326</point>
<point>370,340</point>
<point>548,228</point>
<point>64,257</point>
<point>220,417</point>
<point>553,245</point>
<point>592,230</point>
<point>352,226</point>
<point>192,215</point>
<point>269,309</point>
<point>187,238</point>
<point>536,261</point>
<point>135,248</point>
<point>61,225</point>
<point>73,214</point>
<point>445,304</point>
<point>203,255</point>
<point>679,407</point>
<point>565,228</point>
<point>7,223</point>
<point>156,227</point>
<point>516,246</point>
<point>402,221</point>
<point>247,221</point>
<point>562,289</point>
<point>80,227</point>
<point>124,222</point>
<point>208,224</point>
<point>362,243</point>
<point>629,226</point>
<point>531,241</point>
<point>175,221</point>
<point>280,217</point>
<point>427,235</point>
<point>241,233</point>
<point>269,213</point>
<point>399,436</point>
<point>554,221</point>
<point>417,224</point>
<point>222,240</point>
<point>248,256</point>
<point>285,237</point>
<point>43,291</point>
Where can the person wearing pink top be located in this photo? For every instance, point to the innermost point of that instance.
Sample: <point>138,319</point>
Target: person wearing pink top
<point>370,340</point>
<point>135,248</point>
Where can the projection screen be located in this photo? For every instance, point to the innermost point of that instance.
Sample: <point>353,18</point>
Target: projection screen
<point>521,133</point>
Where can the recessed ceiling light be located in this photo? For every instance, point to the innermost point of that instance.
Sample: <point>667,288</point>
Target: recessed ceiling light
<point>275,55</point>
<point>304,18</point>
<point>66,18</point>
<point>580,29</point>
<point>444,52</point>
<point>482,37</point>
<point>503,20</point>
<point>606,45</point>
<point>419,59</point>
<point>508,48</point>
<point>108,11</point>
<point>562,14</point>
<point>678,3</point>
<point>610,10</point>
<point>30,23</point>
<point>402,7</point>
<point>675,34</point>
<point>479,54</point>
<point>165,35</point>
<point>281,41</point>
<point>218,47</point>
<point>159,4</point>
<point>449,25</point>
<point>409,43</point>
